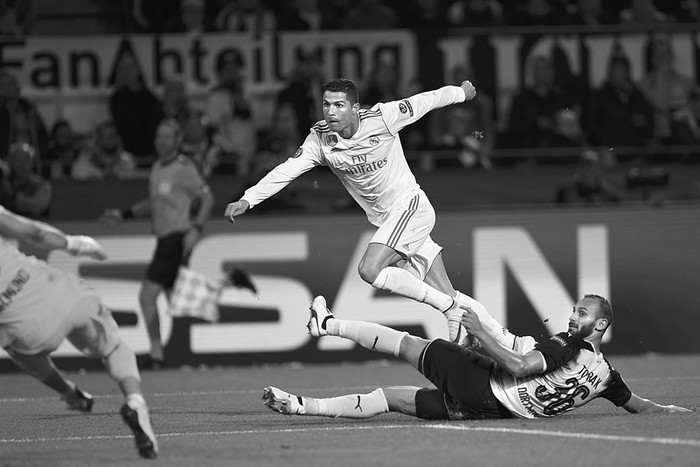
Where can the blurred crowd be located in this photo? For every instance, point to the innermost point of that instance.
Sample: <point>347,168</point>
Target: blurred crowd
<point>555,109</point>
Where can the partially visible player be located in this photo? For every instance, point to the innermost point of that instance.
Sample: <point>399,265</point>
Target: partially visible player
<point>560,374</point>
<point>41,305</point>
<point>362,147</point>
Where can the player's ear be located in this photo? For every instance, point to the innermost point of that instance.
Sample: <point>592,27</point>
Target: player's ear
<point>355,108</point>
<point>601,324</point>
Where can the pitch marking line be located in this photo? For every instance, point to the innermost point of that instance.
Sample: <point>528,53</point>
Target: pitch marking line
<point>563,434</point>
<point>559,434</point>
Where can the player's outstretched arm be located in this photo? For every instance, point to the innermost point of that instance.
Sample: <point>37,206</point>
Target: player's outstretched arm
<point>638,404</point>
<point>469,90</point>
<point>236,209</point>
<point>48,237</point>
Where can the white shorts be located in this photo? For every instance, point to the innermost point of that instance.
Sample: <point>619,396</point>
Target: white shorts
<point>89,326</point>
<point>407,231</point>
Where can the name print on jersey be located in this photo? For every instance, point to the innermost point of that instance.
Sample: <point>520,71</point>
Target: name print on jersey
<point>361,166</point>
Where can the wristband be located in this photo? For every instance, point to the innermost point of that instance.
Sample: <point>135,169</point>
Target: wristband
<point>127,213</point>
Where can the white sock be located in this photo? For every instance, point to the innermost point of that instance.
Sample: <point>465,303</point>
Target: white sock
<point>493,327</point>
<point>136,397</point>
<point>371,336</point>
<point>402,282</point>
<point>349,406</point>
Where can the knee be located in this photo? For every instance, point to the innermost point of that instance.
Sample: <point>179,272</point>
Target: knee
<point>369,271</point>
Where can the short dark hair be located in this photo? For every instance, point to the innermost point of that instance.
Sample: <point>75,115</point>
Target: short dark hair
<point>344,85</point>
<point>604,308</point>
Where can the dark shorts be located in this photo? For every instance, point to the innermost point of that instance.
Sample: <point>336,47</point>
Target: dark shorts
<point>167,260</point>
<point>462,381</point>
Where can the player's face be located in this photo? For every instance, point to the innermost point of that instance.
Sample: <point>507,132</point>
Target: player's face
<point>338,112</point>
<point>167,141</point>
<point>583,318</point>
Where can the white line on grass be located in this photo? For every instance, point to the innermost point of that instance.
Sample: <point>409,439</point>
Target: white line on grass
<point>456,427</point>
<point>562,434</point>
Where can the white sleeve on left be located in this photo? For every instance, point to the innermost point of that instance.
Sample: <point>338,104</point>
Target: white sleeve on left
<point>399,114</point>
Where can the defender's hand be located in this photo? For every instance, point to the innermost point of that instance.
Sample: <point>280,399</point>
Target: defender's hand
<point>82,245</point>
<point>236,209</point>
<point>470,320</point>
<point>469,90</point>
<point>111,217</point>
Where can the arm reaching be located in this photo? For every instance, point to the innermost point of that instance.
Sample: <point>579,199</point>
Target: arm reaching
<point>516,364</point>
<point>236,209</point>
<point>48,237</point>
<point>638,404</point>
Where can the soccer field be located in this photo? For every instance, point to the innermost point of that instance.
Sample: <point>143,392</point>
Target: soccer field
<point>215,417</point>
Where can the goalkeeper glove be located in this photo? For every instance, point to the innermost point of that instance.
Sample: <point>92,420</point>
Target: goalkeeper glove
<point>83,245</point>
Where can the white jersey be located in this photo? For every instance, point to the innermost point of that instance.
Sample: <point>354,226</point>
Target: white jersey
<point>31,290</point>
<point>575,374</point>
<point>371,164</point>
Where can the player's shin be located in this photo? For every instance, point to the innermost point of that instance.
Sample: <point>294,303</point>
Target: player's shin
<point>122,368</point>
<point>402,282</point>
<point>371,336</point>
<point>493,327</point>
<point>351,406</point>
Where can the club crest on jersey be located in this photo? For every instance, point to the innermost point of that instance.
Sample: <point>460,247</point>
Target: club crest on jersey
<point>298,153</point>
<point>332,140</point>
<point>405,106</point>
<point>374,140</point>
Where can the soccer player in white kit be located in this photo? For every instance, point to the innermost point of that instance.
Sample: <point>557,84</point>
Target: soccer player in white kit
<point>560,374</point>
<point>41,305</point>
<point>362,147</point>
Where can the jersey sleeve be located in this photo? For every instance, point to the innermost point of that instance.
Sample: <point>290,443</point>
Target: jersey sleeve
<point>191,179</point>
<point>307,157</point>
<point>616,391</point>
<point>399,114</point>
<point>558,350</point>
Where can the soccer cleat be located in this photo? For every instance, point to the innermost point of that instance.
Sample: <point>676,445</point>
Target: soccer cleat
<point>283,402</point>
<point>153,364</point>
<point>135,415</point>
<point>458,333</point>
<point>319,315</point>
<point>78,400</point>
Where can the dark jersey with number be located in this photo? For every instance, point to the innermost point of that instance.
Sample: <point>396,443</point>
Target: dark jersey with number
<point>575,374</point>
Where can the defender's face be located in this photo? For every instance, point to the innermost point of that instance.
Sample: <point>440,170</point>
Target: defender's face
<point>338,111</point>
<point>583,318</point>
<point>167,141</point>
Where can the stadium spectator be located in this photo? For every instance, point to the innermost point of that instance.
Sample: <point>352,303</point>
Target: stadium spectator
<point>424,16</point>
<point>154,15</point>
<point>363,148</point>
<point>191,20</point>
<point>383,84</point>
<point>591,13</point>
<point>104,158</point>
<point>531,118</point>
<point>588,186</point>
<point>48,306</point>
<point>642,12</point>
<point>684,11</point>
<point>475,13</point>
<point>536,13</point>
<point>16,17</point>
<point>63,149</point>
<point>470,386</point>
<point>301,92</point>
<point>22,189</point>
<point>664,87</point>
<point>174,103</point>
<point>20,120</point>
<point>618,114</point>
<point>135,110</point>
<point>229,111</point>
<point>370,14</point>
<point>467,126</point>
<point>685,121</point>
<point>567,131</point>
<point>201,144</point>
<point>246,16</point>
<point>178,205</point>
<point>308,15</point>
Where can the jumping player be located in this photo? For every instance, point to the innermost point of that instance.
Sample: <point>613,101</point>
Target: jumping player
<point>40,306</point>
<point>362,147</point>
<point>558,375</point>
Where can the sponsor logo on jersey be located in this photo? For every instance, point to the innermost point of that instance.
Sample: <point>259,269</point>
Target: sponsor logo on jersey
<point>332,140</point>
<point>13,288</point>
<point>298,153</point>
<point>559,341</point>
<point>374,140</point>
